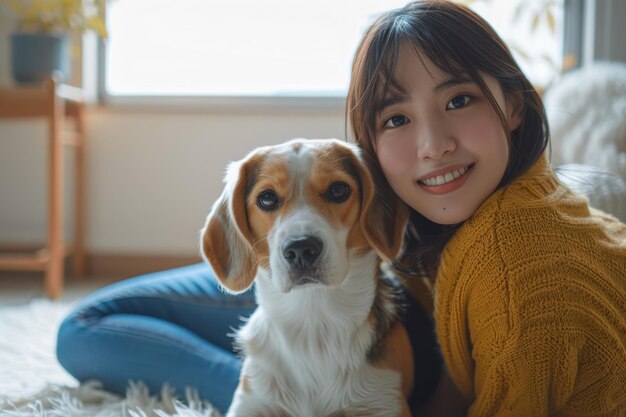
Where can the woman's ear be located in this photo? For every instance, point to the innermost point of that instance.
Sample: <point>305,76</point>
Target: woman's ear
<point>226,236</point>
<point>515,110</point>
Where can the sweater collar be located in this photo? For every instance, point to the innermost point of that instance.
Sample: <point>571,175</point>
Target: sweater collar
<point>541,167</point>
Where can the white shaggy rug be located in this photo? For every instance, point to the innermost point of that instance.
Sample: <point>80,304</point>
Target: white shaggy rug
<point>32,383</point>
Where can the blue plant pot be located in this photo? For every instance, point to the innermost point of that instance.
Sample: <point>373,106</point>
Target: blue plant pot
<point>37,56</point>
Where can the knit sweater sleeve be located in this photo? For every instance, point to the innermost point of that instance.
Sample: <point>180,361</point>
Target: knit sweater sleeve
<point>526,356</point>
<point>530,315</point>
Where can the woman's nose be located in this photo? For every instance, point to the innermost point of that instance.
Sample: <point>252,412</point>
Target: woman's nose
<point>434,141</point>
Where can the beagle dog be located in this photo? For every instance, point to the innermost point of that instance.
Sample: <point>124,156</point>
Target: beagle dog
<point>302,221</point>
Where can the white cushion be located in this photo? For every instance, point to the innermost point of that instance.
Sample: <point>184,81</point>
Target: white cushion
<point>586,110</point>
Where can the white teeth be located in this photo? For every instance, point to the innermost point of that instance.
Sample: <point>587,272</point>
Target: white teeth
<point>444,179</point>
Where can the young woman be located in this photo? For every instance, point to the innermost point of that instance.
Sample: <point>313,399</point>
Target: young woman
<point>529,282</point>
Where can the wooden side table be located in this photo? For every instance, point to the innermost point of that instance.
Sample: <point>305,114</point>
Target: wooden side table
<point>56,103</point>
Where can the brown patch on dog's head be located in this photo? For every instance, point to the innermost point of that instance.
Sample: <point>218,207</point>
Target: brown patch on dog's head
<point>334,170</point>
<point>273,180</point>
<point>381,220</point>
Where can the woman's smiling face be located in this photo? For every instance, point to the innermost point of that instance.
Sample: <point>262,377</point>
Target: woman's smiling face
<point>439,142</point>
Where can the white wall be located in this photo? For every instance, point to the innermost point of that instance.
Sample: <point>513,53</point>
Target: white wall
<point>152,176</point>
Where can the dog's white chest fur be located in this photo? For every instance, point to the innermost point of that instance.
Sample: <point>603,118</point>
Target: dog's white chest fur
<point>306,354</point>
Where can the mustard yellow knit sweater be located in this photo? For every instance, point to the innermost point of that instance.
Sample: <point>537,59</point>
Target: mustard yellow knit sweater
<point>530,303</point>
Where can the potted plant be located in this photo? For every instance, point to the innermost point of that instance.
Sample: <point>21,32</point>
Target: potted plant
<point>40,48</point>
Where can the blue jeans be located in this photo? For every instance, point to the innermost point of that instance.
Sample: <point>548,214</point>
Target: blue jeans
<point>172,327</point>
<point>167,327</point>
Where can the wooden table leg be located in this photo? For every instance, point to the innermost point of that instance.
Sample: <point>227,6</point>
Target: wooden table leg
<point>79,194</point>
<point>54,270</point>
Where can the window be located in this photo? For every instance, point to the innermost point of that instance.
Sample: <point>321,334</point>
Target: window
<point>237,47</point>
<point>268,48</point>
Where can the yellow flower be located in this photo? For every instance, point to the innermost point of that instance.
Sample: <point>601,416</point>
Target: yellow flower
<point>60,15</point>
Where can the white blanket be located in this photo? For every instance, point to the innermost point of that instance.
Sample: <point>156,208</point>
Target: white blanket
<point>586,110</point>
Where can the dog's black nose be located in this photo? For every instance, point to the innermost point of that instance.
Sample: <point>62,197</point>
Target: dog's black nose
<point>302,252</point>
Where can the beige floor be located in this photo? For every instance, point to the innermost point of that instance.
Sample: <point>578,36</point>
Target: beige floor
<point>21,287</point>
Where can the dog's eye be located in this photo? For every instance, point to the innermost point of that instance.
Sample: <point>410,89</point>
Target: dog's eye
<point>267,201</point>
<point>338,192</point>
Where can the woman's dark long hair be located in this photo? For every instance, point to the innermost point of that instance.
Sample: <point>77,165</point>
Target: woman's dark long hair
<point>460,43</point>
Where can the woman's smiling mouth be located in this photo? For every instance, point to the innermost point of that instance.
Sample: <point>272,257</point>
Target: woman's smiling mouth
<point>445,182</point>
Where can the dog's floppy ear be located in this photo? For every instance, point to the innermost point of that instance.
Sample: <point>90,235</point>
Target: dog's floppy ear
<point>383,215</point>
<point>226,237</point>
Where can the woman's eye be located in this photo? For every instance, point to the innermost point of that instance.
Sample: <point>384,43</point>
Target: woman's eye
<point>267,201</point>
<point>396,121</point>
<point>338,192</point>
<point>458,102</point>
